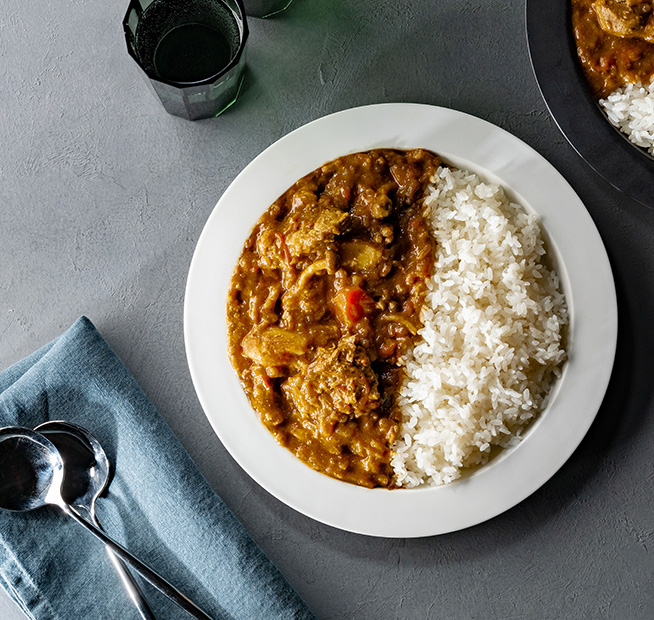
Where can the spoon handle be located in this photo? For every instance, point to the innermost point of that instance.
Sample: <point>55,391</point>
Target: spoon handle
<point>147,573</point>
<point>133,589</point>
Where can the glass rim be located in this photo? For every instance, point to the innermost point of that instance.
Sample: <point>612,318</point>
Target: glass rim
<point>131,45</point>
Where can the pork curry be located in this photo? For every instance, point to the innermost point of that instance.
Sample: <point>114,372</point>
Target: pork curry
<point>615,42</point>
<point>324,302</point>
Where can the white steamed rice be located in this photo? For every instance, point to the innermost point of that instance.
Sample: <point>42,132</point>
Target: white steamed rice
<point>631,110</point>
<point>492,341</point>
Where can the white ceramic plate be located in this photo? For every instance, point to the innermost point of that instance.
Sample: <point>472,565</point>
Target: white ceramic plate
<point>577,249</point>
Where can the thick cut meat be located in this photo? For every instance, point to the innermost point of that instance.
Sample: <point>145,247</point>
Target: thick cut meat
<point>627,19</point>
<point>337,385</point>
<point>317,228</point>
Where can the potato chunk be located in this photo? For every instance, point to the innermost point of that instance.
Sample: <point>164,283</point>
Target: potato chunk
<point>360,255</point>
<point>273,346</point>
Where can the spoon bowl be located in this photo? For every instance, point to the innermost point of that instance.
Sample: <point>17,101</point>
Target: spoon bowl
<point>31,470</point>
<point>86,466</point>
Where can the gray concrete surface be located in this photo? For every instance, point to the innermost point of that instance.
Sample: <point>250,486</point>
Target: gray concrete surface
<point>103,197</point>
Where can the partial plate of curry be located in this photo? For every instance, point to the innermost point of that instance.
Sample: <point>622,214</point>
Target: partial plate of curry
<point>403,137</point>
<point>571,88</point>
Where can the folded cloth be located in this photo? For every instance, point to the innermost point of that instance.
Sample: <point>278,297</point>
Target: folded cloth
<point>158,506</point>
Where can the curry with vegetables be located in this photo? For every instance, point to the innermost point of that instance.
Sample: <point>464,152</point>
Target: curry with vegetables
<point>324,302</point>
<point>615,42</point>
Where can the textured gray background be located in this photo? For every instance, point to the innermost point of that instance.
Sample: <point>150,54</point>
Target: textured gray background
<point>103,197</point>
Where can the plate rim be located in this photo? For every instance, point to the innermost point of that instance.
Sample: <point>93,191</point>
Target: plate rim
<point>432,511</point>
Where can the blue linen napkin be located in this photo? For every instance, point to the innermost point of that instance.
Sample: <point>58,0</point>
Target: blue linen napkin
<point>159,506</point>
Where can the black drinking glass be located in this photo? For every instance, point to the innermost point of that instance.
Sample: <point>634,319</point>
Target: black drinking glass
<point>192,52</point>
<point>265,8</point>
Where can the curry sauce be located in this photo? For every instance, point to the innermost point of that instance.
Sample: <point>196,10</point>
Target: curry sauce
<point>324,302</point>
<point>615,42</point>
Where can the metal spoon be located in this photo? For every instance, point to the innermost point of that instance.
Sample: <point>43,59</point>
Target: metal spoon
<point>32,475</point>
<point>86,474</point>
